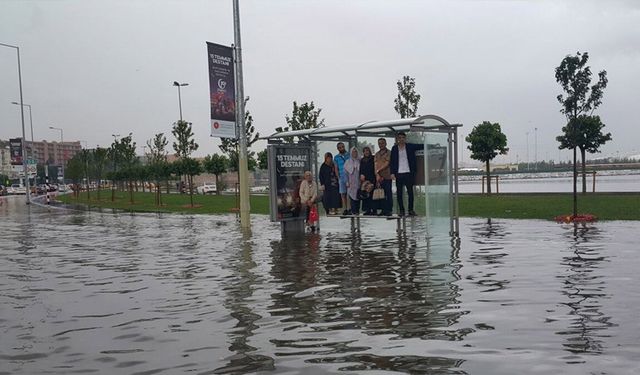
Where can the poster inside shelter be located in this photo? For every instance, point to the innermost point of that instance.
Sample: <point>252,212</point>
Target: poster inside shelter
<point>290,164</point>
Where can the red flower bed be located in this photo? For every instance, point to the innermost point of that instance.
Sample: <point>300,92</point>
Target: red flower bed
<point>581,218</point>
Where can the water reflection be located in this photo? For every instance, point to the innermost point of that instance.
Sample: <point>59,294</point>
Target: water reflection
<point>239,288</point>
<point>585,287</point>
<point>168,294</point>
<point>372,287</point>
<point>490,254</point>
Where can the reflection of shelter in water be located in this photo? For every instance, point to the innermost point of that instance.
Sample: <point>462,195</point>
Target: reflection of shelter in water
<point>369,288</point>
<point>439,138</point>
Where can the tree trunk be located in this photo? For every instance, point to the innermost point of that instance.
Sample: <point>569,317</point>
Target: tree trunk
<point>488,178</point>
<point>584,171</point>
<point>217,184</point>
<point>189,179</point>
<point>98,192</point>
<point>575,182</point>
<point>130,191</point>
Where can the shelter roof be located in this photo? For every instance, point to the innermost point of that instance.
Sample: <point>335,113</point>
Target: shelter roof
<point>371,129</point>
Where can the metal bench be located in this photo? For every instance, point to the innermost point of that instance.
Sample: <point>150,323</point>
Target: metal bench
<point>401,221</point>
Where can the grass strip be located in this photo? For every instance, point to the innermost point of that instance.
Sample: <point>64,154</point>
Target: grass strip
<point>613,206</point>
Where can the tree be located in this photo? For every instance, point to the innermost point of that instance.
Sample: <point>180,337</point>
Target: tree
<point>302,117</point>
<point>406,103</point>
<point>184,146</point>
<point>85,159</point>
<point>189,167</point>
<point>99,164</point>
<point>486,142</point>
<point>128,159</point>
<point>229,145</point>
<point>217,165</point>
<point>252,163</point>
<point>263,162</point>
<point>158,163</point>
<point>581,99</point>
<point>74,170</point>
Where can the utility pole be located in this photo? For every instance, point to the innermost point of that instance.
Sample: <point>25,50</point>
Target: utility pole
<point>245,219</point>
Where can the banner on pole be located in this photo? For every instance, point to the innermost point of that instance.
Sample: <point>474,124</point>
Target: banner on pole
<point>15,145</point>
<point>287,164</point>
<point>222,91</point>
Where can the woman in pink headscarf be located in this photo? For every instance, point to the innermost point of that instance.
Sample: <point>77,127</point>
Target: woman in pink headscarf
<point>352,172</point>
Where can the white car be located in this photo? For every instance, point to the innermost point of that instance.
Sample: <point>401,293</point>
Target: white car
<point>18,189</point>
<point>207,188</point>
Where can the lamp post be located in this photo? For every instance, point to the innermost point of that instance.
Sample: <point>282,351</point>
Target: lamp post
<point>62,147</point>
<point>24,160</point>
<point>535,148</point>
<point>178,84</point>
<point>528,168</point>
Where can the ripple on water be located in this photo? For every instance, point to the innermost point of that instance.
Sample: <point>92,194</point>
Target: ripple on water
<point>148,294</point>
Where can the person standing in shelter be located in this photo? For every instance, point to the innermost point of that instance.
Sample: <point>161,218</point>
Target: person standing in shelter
<point>367,181</point>
<point>308,195</point>
<point>341,157</point>
<point>382,160</point>
<point>329,185</point>
<point>403,170</point>
<point>352,172</point>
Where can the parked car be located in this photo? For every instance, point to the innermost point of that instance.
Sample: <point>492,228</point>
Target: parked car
<point>18,189</point>
<point>206,188</point>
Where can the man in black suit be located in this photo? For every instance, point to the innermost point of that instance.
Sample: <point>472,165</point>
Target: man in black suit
<point>403,169</point>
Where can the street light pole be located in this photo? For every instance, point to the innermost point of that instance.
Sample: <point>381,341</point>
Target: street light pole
<point>62,147</point>
<point>24,160</point>
<point>245,219</point>
<point>535,148</point>
<point>528,168</point>
<point>176,83</point>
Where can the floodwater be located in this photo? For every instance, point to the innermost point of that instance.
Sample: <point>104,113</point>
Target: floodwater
<point>557,182</point>
<point>91,292</point>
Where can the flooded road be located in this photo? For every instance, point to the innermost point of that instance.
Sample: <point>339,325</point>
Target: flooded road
<point>91,292</point>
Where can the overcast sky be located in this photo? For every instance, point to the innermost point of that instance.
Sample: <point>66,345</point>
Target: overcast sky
<point>96,68</point>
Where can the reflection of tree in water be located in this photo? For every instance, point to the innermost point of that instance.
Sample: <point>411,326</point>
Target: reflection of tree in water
<point>378,287</point>
<point>584,289</point>
<point>490,237</point>
<point>239,290</point>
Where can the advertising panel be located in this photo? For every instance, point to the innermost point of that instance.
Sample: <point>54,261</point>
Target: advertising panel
<point>222,91</point>
<point>287,164</point>
<point>15,147</point>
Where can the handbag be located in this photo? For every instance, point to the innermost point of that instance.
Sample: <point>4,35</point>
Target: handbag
<point>378,194</point>
<point>313,215</point>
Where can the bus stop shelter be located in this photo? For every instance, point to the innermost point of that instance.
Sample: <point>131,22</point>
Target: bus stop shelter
<point>437,180</point>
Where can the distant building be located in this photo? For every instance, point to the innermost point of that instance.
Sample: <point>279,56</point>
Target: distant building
<point>55,153</point>
<point>43,152</point>
<point>5,158</point>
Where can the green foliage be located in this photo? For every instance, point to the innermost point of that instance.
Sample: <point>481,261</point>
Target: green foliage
<point>217,165</point>
<point>252,163</point>
<point>582,130</point>
<point>305,116</point>
<point>486,142</point>
<point>574,76</point>
<point>406,103</point>
<point>263,160</point>
<point>229,145</point>
<point>184,145</point>
<point>157,148</point>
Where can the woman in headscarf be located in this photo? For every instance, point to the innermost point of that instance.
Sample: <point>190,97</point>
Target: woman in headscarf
<point>328,177</point>
<point>367,181</point>
<point>352,173</point>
